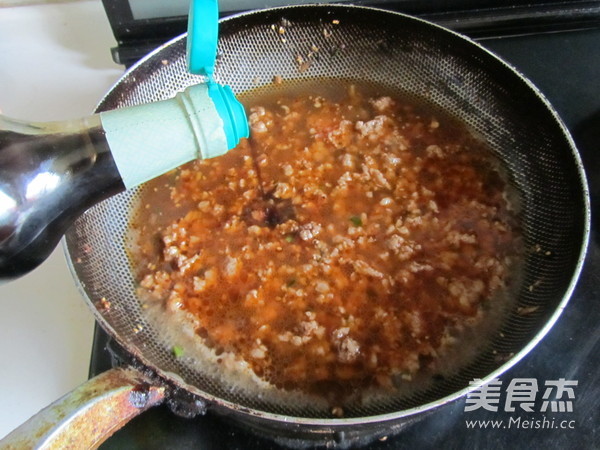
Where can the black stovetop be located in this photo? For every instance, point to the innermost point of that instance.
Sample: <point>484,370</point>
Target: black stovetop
<point>565,66</point>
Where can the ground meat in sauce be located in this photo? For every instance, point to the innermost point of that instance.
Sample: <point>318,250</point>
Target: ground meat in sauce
<point>339,248</point>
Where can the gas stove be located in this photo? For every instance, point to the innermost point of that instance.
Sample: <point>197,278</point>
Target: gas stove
<point>557,46</point>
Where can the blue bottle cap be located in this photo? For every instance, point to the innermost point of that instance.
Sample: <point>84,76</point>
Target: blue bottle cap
<point>203,33</point>
<point>231,111</point>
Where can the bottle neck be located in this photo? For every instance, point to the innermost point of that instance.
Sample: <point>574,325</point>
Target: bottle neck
<point>49,174</point>
<point>151,139</point>
<point>70,157</point>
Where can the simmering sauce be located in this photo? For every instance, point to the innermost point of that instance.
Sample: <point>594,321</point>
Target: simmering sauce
<point>345,246</point>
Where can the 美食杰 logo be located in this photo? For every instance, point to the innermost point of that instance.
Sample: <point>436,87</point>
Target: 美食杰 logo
<point>524,395</point>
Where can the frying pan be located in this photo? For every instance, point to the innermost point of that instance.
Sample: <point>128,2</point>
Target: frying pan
<point>355,43</point>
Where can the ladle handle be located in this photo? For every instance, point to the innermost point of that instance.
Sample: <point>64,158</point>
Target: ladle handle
<point>90,414</point>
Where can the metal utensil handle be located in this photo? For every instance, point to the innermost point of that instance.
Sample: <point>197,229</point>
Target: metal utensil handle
<point>90,414</point>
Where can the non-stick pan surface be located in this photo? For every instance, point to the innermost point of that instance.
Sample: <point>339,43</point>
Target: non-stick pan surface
<point>416,58</point>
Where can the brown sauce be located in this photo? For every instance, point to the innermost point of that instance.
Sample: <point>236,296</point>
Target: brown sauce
<point>343,247</point>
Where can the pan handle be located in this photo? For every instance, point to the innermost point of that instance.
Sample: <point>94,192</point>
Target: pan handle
<point>90,414</point>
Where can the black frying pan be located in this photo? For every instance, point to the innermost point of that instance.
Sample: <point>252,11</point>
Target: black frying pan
<point>368,45</point>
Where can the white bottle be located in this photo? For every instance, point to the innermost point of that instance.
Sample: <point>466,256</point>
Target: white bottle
<point>50,173</point>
